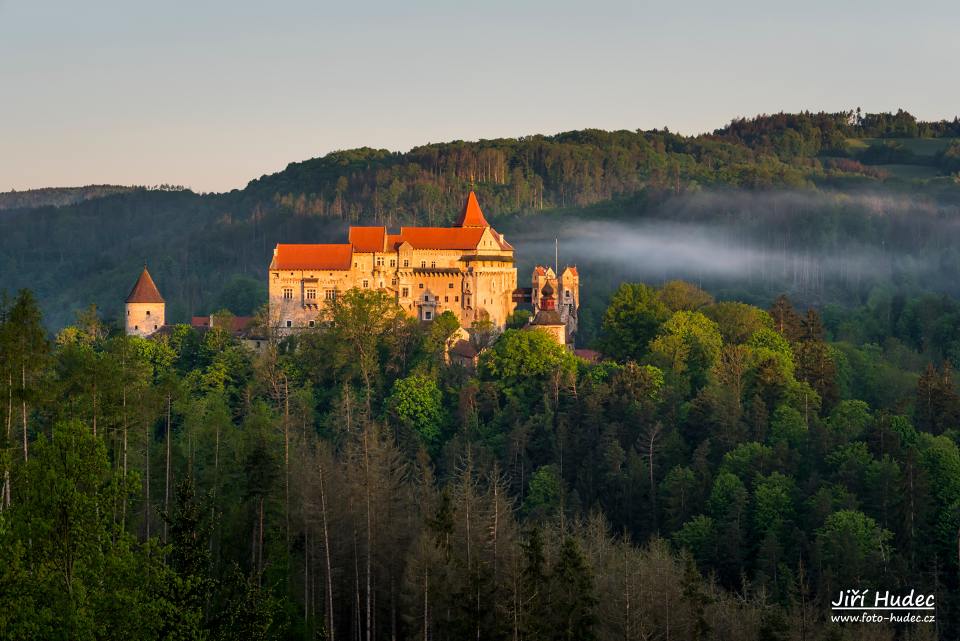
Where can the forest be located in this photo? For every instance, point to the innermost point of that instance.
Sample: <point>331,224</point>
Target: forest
<point>722,473</point>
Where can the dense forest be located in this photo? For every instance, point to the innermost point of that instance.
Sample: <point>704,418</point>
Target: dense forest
<point>209,251</point>
<point>723,474</point>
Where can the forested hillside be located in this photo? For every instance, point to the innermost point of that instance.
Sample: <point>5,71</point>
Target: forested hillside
<point>57,196</point>
<point>211,251</point>
<point>723,475</point>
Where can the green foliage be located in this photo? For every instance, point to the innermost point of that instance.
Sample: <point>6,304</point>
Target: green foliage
<point>737,322</point>
<point>850,419</point>
<point>853,547</point>
<point>773,497</point>
<point>416,402</point>
<point>787,426</point>
<point>678,295</point>
<point>699,536</point>
<point>521,357</point>
<point>631,321</point>
<point>688,345</point>
<point>544,493</point>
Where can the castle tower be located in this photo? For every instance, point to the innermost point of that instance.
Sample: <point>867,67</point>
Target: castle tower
<point>145,307</point>
<point>548,318</point>
<point>566,293</point>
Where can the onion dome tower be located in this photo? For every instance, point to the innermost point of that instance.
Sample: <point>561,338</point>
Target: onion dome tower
<point>145,308</point>
<point>548,318</point>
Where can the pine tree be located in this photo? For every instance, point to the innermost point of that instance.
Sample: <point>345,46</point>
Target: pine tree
<point>573,601</point>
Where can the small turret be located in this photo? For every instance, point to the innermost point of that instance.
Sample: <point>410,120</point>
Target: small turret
<point>145,307</point>
<point>548,318</point>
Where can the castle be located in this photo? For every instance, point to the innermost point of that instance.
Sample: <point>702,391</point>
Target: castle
<point>467,269</point>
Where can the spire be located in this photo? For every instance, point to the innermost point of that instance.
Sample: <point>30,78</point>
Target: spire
<point>145,291</point>
<point>471,216</point>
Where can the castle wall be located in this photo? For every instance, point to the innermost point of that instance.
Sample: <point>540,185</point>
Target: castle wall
<point>472,284</point>
<point>143,319</point>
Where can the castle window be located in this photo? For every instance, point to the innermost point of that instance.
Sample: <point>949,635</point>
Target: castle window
<point>379,261</point>
<point>426,298</point>
<point>288,293</point>
<point>312,323</point>
<point>289,323</point>
<point>449,285</point>
<point>423,263</point>
<point>393,281</point>
<point>433,263</point>
<point>428,315</point>
<point>393,262</point>
<point>421,285</point>
<point>405,292</point>
<point>330,294</point>
<point>456,299</point>
<point>136,327</point>
<point>148,312</point>
<point>446,299</point>
<point>311,294</point>
<point>128,312</point>
<point>366,283</point>
<point>154,327</point>
<point>406,263</point>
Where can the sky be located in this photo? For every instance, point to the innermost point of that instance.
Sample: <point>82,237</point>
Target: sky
<point>213,93</point>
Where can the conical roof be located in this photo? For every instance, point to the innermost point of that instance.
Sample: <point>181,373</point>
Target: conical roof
<point>471,216</point>
<point>145,291</point>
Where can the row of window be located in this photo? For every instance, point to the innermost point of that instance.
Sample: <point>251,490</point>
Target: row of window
<point>311,294</point>
<point>331,294</point>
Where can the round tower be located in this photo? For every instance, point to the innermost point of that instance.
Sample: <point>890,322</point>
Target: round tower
<point>145,308</point>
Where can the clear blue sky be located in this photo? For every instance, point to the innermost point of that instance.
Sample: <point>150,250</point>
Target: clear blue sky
<point>212,93</point>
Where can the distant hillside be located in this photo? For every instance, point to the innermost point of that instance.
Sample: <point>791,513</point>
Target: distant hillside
<point>57,196</point>
<point>208,250</point>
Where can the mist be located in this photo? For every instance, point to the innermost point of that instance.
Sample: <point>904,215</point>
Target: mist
<point>818,246</point>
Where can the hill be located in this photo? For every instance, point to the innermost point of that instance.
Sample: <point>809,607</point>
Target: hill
<point>57,196</point>
<point>210,250</point>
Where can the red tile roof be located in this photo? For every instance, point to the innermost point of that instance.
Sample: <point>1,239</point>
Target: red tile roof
<point>472,216</point>
<point>572,269</point>
<point>367,239</point>
<point>145,291</point>
<point>440,237</point>
<point>336,257</point>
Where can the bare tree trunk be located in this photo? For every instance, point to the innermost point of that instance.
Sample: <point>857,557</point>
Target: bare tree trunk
<point>94,392</point>
<point>326,549</point>
<point>166,491</point>
<point>286,458</point>
<point>9,406</point>
<point>23,384</point>
<point>306,576</point>
<point>356,582</point>
<point>147,510</point>
<point>366,474</point>
<point>426,603</point>
<point>260,544</point>
<point>123,412</point>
